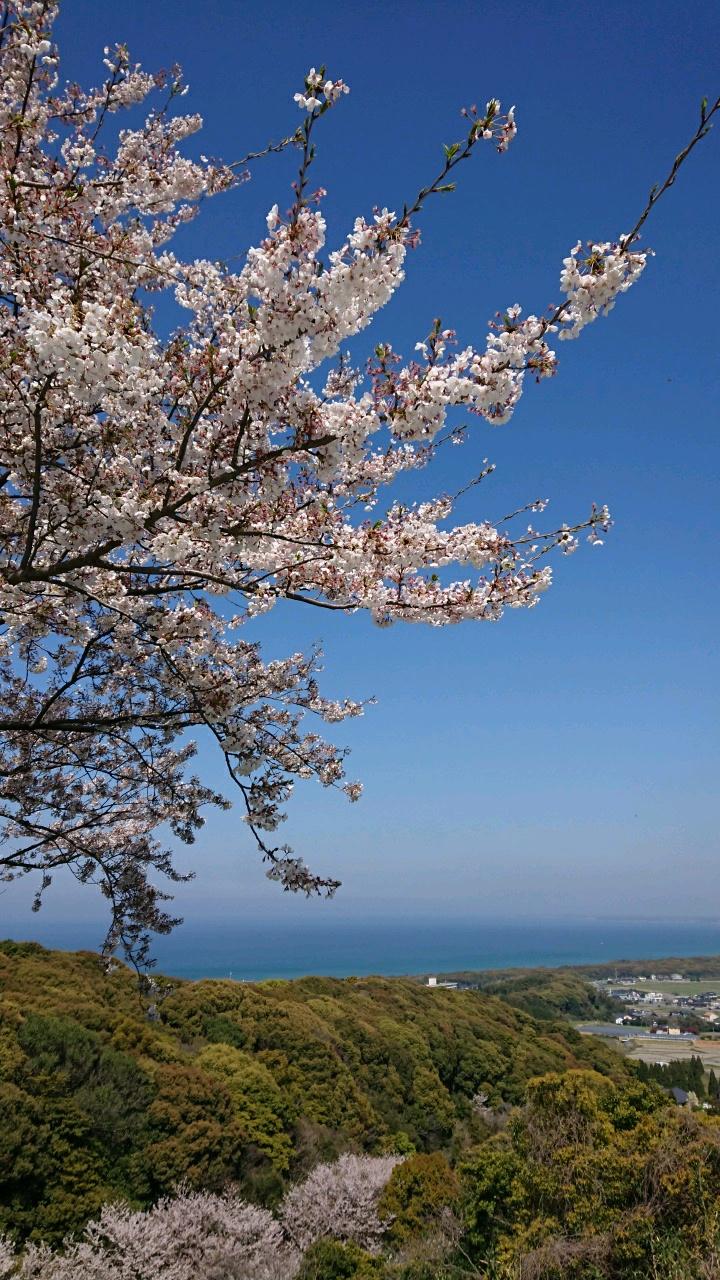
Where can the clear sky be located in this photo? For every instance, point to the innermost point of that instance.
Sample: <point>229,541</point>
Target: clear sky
<point>563,761</point>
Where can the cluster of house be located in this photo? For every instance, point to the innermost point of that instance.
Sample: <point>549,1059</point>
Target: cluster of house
<point>637,997</point>
<point>705,1006</point>
<point>708,1004</point>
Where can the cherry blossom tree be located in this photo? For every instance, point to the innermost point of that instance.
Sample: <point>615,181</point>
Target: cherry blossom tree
<point>193,1236</point>
<point>7,1258</point>
<point>197,1235</point>
<point>339,1200</point>
<point>158,494</point>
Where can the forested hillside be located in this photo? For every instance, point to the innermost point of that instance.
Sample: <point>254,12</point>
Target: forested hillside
<point>479,1140</point>
<point>104,1092</point>
<point>545,993</point>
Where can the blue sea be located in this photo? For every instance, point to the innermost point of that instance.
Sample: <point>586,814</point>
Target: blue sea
<point>254,950</point>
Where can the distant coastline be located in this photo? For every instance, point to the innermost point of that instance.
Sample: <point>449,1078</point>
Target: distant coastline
<point>255,950</point>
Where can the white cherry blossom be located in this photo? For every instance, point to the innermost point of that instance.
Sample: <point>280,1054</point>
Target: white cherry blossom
<point>158,496</point>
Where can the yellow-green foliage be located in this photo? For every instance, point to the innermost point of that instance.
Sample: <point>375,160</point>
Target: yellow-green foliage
<point>332,1260</point>
<point>548,993</point>
<point>259,1106</point>
<point>593,1179</point>
<point>414,1199</point>
<point>106,1094</point>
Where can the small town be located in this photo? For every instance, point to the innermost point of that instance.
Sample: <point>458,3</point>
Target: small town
<point>672,1005</point>
<point>665,1019</point>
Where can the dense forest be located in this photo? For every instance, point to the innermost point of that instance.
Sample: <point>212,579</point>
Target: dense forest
<point>105,1092</point>
<point>518,1149</point>
<point>545,993</point>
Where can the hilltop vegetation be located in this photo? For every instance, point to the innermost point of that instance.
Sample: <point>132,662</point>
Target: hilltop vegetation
<point>544,993</point>
<point>596,1182</point>
<point>528,1151</point>
<point>104,1094</point>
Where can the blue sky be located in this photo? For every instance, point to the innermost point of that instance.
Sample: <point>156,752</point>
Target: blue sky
<point>564,761</point>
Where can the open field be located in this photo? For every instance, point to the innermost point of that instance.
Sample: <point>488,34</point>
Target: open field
<point>667,1051</point>
<point>658,1048</point>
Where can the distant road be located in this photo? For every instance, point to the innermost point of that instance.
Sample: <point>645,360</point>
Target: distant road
<point>611,1031</point>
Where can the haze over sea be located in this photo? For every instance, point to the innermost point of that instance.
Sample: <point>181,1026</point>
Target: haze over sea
<point>339,947</point>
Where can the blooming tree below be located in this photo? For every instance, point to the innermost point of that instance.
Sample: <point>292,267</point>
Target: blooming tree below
<point>339,1201</point>
<point>198,1235</point>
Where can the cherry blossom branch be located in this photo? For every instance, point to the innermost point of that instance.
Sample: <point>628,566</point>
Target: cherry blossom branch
<point>157,496</point>
<point>657,192</point>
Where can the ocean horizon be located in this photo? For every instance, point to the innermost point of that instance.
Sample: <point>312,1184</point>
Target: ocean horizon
<point>258,950</point>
